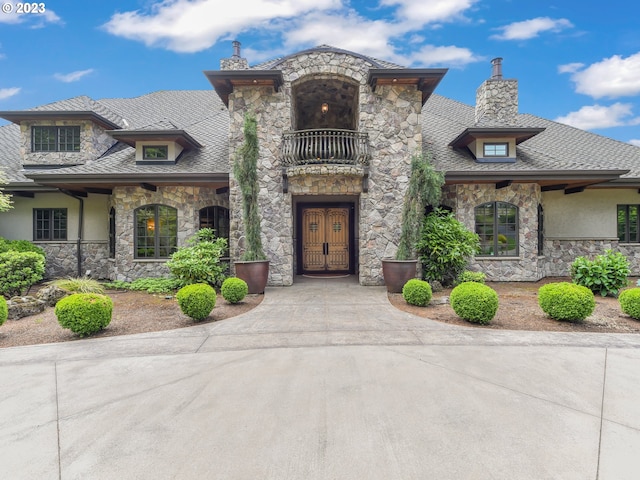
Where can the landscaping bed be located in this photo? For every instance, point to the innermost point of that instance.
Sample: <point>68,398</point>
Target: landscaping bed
<point>519,310</point>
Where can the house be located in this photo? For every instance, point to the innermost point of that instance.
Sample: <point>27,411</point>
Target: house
<point>114,186</point>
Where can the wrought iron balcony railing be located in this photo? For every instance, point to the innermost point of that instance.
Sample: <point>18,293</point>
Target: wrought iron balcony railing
<point>330,146</point>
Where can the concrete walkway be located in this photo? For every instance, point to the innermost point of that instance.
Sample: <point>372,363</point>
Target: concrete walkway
<point>323,380</point>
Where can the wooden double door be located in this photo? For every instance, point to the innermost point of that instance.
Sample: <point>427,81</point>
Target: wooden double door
<point>326,239</point>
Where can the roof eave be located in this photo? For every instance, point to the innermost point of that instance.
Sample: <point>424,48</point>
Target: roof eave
<point>425,79</point>
<point>470,134</point>
<point>17,116</point>
<point>130,137</point>
<point>535,175</point>
<point>224,81</point>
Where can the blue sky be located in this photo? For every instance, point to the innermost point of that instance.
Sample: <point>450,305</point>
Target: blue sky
<point>576,61</point>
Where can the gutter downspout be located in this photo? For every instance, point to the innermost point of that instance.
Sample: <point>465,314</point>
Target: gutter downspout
<point>80,229</point>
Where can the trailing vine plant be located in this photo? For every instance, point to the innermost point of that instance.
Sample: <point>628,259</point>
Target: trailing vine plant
<point>425,188</point>
<point>245,170</point>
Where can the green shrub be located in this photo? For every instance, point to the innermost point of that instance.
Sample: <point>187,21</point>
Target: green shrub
<point>234,289</point>
<point>607,274</point>
<point>445,246</point>
<point>469,276</point>
<point>4,310</point>
<point>566,301</point>
<point>149,285</point>
<point>200,262</point>
<point>197,300</point>
<point>474,302</point>
<point>417,292</point>
<point>19,246</point>
<point>18,271</point>
<point>79,285</point>
<point>84,313</point>
<point>630,302</point>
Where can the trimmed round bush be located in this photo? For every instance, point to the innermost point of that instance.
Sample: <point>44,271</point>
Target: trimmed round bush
<point>417,292</point>
<point>84,313</point>
<point>234,289</point>
<point>630,302</point>
<point>474,302</point>
<point>4,310</point>
<point>196,300</point>
<point>566,301</point>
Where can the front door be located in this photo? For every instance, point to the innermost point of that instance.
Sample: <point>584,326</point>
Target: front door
<point>325,240</point>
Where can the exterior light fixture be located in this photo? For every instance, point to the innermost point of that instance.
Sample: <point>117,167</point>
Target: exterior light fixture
<point>324,108</point>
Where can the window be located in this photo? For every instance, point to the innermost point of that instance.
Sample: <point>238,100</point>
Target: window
<point>496,150</point>
<point>49,224</point>
<point>112,233</point>
<point>497,227</point>
<point>540,230</point>
<point>628,221</point>
<point>156,231</point>
<point>55,139</point>
<point>216,218</point>
<point>155,152</point>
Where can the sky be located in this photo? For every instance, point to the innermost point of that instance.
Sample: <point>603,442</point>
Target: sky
<point>576,61</point>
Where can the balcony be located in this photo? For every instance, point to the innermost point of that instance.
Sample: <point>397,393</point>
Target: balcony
<point>325,146</point>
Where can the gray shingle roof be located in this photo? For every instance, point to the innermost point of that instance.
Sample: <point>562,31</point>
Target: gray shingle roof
<point>558,148</point>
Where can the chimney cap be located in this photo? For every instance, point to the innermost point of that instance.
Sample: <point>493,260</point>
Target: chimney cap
<point>496,71</point>
<point>236,49</point>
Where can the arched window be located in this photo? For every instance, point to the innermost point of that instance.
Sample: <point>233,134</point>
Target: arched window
<point>497,227</point>
<point>156,234</point>
<point>216,218</point>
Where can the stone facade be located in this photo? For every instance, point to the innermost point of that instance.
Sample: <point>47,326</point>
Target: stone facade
<point>560,253</point>
<point>62,259</point>
<point>391,116</point>
<point>187,200</point>
<point>94,141</point>
<point>527,266</point>
<point>497,101</point>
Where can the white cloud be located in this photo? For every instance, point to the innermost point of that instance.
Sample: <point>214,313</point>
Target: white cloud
<point>73,76</point>
<point>423,12</point>
<point>192,26</point>
<point>635,142</point>
<point>34,20</point>
<point>450,56</point>
<point>598,116</point>
<point>612,77</point>
<point>531,28</point>
<point>9,92</point>
<point>570,67</point>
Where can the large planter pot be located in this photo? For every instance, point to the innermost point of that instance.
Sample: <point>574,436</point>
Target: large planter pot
<point>254,273</point>
<point>398,272</point>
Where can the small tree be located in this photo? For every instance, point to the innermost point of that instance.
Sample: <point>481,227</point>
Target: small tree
<point>5,199</point>
<point>425,188</point>
<point>245,170</point>
<point>445,246</point>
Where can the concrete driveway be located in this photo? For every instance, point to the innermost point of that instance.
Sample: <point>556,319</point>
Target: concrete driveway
<point>324,380</point>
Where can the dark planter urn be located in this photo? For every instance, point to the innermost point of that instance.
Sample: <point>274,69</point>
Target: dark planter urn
<point>254,273</point>
<point>398,272</point>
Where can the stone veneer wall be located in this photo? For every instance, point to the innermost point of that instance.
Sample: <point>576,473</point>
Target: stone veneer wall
<point>62,259</point>
<point>187,200</point>
<point>391,117</point>
<point>527,266</point>
<point>497,101</point>
<point>94,141</point>
<point>560,253</point>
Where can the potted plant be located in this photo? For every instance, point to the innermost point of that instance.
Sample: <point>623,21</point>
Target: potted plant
<point>253,266</point>
<point>425,188</point>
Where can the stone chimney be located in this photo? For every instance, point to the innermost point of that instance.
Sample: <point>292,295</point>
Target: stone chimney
<point>497,99</point>
<point>236,62</point>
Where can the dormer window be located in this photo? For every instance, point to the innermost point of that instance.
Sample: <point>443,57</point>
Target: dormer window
<point>155,152</point>
<point>492,150</point>
<point>55,139</point>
